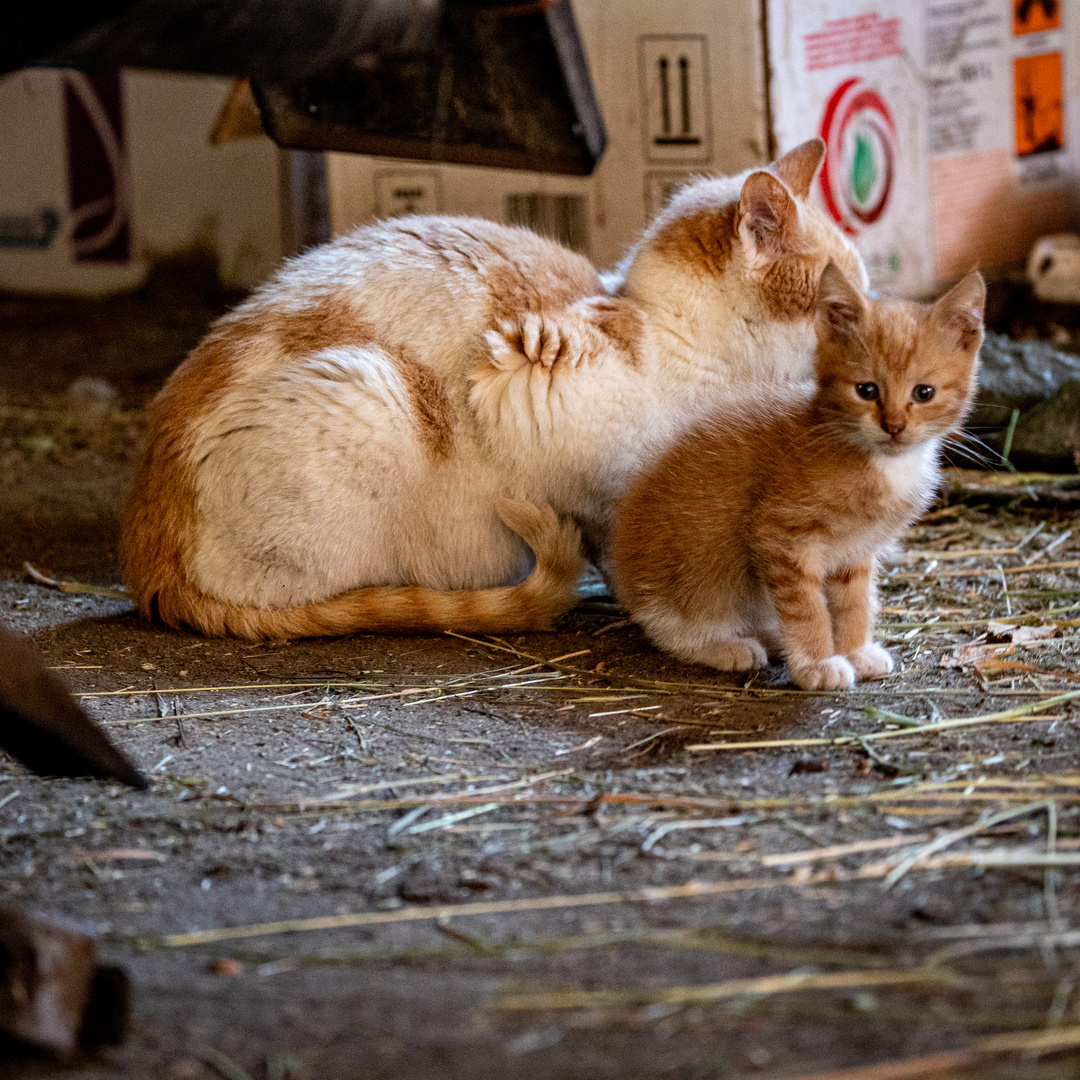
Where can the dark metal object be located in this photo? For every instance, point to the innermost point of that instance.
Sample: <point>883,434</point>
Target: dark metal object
<point>506,86</point>
<point>270,39</point>
<point>305,201</point>
<point>32,31</point>
<point>41,725</point>
<point>54,996</point>
<point>478,83</point>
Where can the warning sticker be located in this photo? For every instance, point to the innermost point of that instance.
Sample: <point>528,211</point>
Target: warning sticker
<point>1040,113</point>
<point>852,40</point>
<point>1034,16</point>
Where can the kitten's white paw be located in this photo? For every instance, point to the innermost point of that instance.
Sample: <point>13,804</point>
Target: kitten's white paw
<point>871,661</point>
<point>746,654</point>
<point>833,673</point>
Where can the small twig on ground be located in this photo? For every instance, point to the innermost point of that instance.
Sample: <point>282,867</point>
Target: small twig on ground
<point>986,1045</point>
<point>108,591</point>
<point>1005,590</point>
<point>223,1065</point>
<point>695,995</point>
<point>948,839</point>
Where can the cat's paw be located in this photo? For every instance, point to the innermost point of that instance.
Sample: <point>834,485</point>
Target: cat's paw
<point>871,661</point>
<point>833,673</point>
<point>745,654</point>
<point>537,339</point>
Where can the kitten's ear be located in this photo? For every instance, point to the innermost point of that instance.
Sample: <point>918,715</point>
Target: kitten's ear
<point>839,307</point>
<point>767,214</point>
<point>798,167</point>
<point>959,312</point>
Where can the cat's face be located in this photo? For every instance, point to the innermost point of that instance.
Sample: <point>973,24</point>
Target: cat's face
<point>891,374</point>
<point>750,245</point>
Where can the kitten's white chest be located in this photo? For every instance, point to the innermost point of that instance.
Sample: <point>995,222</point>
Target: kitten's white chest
<point>908,475</point>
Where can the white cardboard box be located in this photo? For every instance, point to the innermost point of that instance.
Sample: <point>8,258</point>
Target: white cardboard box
<point>918,100</point>
<point>167,187</point>
<point>953,125</point>
<point>932,109</point>
<point>718,123</point>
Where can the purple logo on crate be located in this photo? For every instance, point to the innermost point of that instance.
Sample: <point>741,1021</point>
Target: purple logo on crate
<point>860,159</point>
<point>99,184</point>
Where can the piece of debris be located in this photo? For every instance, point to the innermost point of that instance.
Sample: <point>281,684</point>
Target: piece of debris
<point>113,592</point>
<point>997,632</point>
<point>89,395</point>
<point>225,966</point>
<point>54,996</point>
<point>1053,268</point>
<point>970,654</point>
<point>809,764</point>
<point>42,726</point>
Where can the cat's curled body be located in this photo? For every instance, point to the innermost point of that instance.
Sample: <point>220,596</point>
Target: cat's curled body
<point>757,533</point>
<point>353,424</point>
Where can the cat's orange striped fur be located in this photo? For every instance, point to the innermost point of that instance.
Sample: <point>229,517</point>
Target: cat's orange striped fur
<point>757,533</point>
<point>532,604</point>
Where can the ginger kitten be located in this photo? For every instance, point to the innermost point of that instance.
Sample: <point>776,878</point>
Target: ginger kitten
<point>756,534</point>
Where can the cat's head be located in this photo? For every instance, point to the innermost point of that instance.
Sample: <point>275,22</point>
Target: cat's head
<point>731,252</point>
<point>894,374</point>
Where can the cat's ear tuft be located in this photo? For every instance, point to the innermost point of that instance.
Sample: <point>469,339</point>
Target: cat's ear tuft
<point>767,214</point>
<point>839,307</point>
<point>959,312</point>
<point>799,167</point>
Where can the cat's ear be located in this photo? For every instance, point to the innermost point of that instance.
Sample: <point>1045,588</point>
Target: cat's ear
<point>798,167</point>
<point>767,215</point>
<point>839,307</point>
<point>959,313</point>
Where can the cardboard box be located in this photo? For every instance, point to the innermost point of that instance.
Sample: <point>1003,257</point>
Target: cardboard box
<point>953,127</point>
<point>102,173</point>
<point>681,86</point>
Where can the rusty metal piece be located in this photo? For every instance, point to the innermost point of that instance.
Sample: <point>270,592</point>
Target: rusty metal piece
<point>42,726</point>
<point>506,86</point>
<point>54,996</point>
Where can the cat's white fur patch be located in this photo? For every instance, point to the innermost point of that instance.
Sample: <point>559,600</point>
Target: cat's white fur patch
<point>908,474</point>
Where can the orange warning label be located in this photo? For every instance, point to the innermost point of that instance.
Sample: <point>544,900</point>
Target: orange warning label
<point>1040,112</point>
<point>1033,16</point>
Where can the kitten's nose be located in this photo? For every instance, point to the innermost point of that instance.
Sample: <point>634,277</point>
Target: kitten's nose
<point>893,425</point>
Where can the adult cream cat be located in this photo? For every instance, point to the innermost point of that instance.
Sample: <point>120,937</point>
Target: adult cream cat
<point>355,423</point>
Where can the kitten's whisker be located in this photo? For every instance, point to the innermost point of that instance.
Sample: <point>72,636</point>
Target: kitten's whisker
<point>963,433</point>
<point>992,456</point>
<point>991,405</point>
<point>991,462</point>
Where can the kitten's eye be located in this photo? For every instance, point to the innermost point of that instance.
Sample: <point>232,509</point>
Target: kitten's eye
<point>922,392</point>
<point>868,391</point>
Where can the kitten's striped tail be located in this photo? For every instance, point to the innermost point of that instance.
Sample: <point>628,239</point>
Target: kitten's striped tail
<point>531,605</point>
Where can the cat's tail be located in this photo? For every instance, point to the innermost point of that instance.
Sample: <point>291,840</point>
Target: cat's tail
<point>531,605</point>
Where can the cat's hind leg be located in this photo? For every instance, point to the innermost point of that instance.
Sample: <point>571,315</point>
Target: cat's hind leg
<point>722,645</point>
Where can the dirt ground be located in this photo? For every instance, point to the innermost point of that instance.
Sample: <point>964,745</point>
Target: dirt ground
<point>485,866</point>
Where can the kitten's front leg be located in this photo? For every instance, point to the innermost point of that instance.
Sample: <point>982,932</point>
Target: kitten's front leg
<point>852,604</point>
<point>797,592</point>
